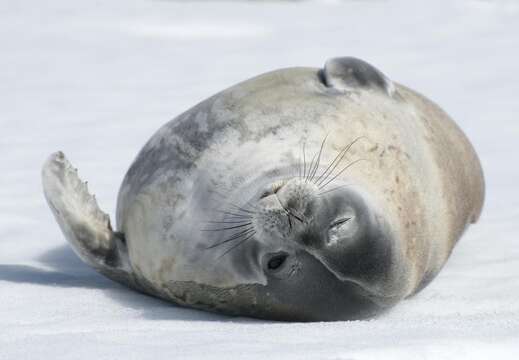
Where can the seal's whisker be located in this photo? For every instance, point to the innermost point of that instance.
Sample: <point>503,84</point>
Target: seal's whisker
<point>248,203</point>
<point>233,237</point>
<point>234,214</point>
<point>253,206</point>
<point>231,220</point>
<point>229,228</point>
<point>224,197</point>
<point>329,170</point>
<point>304,160</point>
<point>340,172</point>
<point>340,156</point>
<point>228,222</point>
<point>242,209</point>
<point>238,244</point>
<point>318,162</point>
<point>311,167</point>
<point>335,188</point>
<point>300,166</point>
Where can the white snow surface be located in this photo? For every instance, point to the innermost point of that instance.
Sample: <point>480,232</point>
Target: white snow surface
<point>97,78</point>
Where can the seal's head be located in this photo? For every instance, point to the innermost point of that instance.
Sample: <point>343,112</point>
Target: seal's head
<point>325,254</point>
<point>280,238</point>
<point>310,246</point>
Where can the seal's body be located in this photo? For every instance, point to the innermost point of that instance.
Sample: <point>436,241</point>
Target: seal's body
<point>301,194</point>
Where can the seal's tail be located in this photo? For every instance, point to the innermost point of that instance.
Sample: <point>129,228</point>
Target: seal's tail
<point>84,225</point>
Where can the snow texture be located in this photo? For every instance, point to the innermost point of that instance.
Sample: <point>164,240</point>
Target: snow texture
<point>97,78</point>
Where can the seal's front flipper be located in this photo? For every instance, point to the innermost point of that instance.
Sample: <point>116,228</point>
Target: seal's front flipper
<point>84,225</point>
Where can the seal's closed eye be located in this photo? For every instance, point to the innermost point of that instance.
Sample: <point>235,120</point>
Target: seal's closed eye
<point>339,222</point>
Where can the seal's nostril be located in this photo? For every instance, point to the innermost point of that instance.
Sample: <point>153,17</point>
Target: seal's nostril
<point>276,261</point>
<point>265,194</point>
<point>276,188</point>
<point>273,190</point>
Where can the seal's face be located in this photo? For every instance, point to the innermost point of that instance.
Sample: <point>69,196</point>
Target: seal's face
<point>325,254</point>
<point>336,226</point>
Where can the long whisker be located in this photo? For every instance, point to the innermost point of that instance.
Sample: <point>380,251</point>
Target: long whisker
<point>300,166</point>
<point>304,160</point>
<point>228,222</point>
<point>329,170</point>
<point>314,171</point>
<point>238,244</point>
<point>336,161</point>
<point>310,167</point>
<point>229,228</point>
<point>233,237</point>
<point>335,188</point>
<point>235,214</point>
<point>242,209</point>
<point>340,172</point>
<point>251,205</point>
<point>224,197</point>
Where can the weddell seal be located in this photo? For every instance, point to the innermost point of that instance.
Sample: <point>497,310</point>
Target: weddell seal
<point>302,194</point>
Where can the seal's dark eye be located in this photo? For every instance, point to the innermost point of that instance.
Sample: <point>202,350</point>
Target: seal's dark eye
<point>276,261</point>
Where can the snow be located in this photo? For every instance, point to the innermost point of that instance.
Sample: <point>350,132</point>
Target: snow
<point>97,78</point>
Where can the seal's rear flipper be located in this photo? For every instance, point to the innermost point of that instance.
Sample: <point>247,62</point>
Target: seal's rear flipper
<point>84,225</point>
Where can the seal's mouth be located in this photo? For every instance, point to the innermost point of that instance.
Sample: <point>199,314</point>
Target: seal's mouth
<point>313,293</point>
<point>371,291</point>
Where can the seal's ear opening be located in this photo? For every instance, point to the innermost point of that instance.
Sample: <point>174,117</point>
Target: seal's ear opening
<point>349,73</point>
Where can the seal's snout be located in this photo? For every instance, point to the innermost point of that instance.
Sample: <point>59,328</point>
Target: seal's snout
<point>296,195</point>
<point>285,207</point>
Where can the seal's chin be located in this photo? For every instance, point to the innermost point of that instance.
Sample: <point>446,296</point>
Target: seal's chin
<point>313,293</point>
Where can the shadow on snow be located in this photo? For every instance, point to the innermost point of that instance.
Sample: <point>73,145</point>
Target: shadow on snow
<point>69,272</point>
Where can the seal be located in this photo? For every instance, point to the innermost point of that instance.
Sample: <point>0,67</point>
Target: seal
<point>302,194</point>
